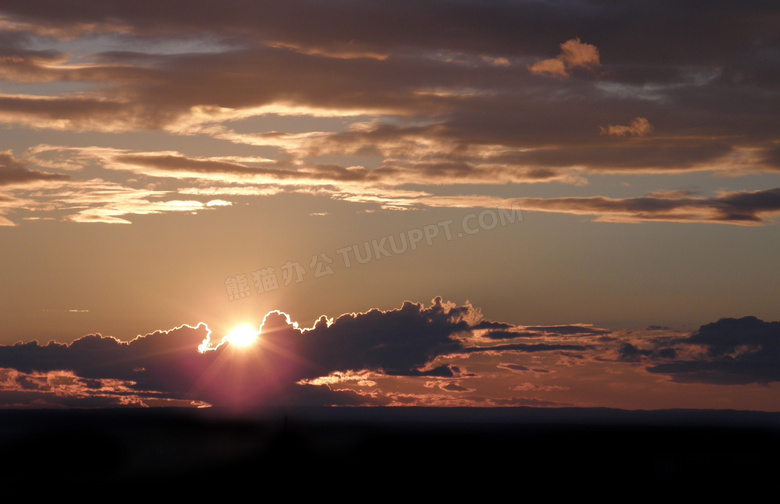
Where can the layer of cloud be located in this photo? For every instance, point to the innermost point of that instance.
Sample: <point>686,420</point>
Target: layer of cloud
<point>14,173</point>
<point>96,200</point>
<point>371,357</point>
<point>742,208</point>
<point>449,95</point>
<point>288,363</point>
<point>38,194</point>
<point>65,389</point>
<point>185,363</point>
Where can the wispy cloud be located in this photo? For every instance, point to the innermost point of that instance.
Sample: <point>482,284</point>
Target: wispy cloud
<point>14,173</point>
<point>741,208</point>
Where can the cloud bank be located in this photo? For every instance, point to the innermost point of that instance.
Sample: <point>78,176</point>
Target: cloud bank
<point>738,351</point>
<point>361,358</point>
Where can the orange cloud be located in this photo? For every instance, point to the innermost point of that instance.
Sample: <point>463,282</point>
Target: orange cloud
<point>576,54</point>
<point>573,54</point>
<point>638,127</point>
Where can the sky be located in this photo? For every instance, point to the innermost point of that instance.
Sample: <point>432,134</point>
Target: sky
<point>435,203</point>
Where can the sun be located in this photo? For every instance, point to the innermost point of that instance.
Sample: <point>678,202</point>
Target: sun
<point>243,335</point>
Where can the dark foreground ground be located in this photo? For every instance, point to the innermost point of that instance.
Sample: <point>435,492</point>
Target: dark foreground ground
<point>448,449</point>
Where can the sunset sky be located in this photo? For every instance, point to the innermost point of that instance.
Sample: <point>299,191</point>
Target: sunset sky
<point>439,202</point>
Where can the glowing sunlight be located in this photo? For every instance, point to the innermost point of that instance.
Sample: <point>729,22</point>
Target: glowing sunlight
<point>241,336</point>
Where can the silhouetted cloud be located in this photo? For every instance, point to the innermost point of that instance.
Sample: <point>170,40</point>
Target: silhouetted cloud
<point>530,347</point>
<point>572,329</point>
<point>745,350</point>
<point>508,331</point>
<point>352,358</point>
<point>156,361</point>
<point>630,352</point>
<point>400,342</point>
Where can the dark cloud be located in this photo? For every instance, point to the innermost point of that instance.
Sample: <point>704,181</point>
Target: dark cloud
<point>64,389</point>
<point>372,340</point>
<point>443,371</point>
<point>13,172</point>
<point>745,350</point>
<point>182,166</point>
<point>499,335</point>
<point>655,327</point>
<point>165,361</point>
<point>492,324</point>
<point>620,158</point>
<point>437,93</point>
<point>436,60</point>
<point>291,365</point>
<point>397,342</point>
<point>579,330</point>
<point>391,173</point>
<point>746,208</point>
<point>497,28</point>
<point>629,352</point>
<point>772,157</point>
<point>529,347</point>
<point>454,387</point>
<point>541,331</point>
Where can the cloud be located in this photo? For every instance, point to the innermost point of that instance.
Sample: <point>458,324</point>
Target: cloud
<point>501,331</point>
<point>738,351</point>
<point>358,341</point>
<point>74,113</point>
<point>739,208</point>
<point>65,389</point>
<point>378,357</point>
<point>438,95</point>
<point>287,364</point>
<point>576,54</point>
<point>573,54</point>
<point>97,200</point>
<point>14,173</point>
<point>550,66</point>
<point>638,127</point>
<point>570,329</point>
<point>263,171</point>
<point>15,177</point>
<point>169,362</point>
<point>33,193</point>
